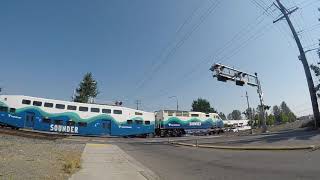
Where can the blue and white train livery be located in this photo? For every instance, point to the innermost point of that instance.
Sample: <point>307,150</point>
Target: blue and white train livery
<point>176,123</point>
<point>74,118</point>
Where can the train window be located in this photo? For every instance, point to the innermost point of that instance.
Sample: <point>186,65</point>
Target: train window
<point>12,110</point>
<point>129,121</point>
<point>97,110</point>
<point>178,113</point>
<point>46,120</point>
<point>138,113</point>
<point>82,124</point>
<point>117,111</point>
<point>147,122</point>
<point>49,105</point>
<point>3,109</point>
<point>138,121</point>
<point>60,106</point>
<point>170,113</point>
<point>194,115</point>
<point>70,107</point>
<point>207,115</point>
<point>186,114</point>
<point>106,111</point>
<point>24,101</point>
<point>37,103</point>
<point>84,109</point>
<point>70,123</point>
<point>58,122</point>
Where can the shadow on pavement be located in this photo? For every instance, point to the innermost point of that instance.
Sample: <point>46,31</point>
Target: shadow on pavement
<point>293,135</point>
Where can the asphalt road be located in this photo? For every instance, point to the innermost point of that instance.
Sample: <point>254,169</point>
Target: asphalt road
<point>178,162</point>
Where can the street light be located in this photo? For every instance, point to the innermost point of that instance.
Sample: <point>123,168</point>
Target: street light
<point>176,100</point>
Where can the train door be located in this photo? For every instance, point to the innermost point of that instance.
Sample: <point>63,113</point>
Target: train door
<point>106,125</point>
<point>29,121</point>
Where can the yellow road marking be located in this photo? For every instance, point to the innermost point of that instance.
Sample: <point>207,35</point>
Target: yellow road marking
<point>97,145</point>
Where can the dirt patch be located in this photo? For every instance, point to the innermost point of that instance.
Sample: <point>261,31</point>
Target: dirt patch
<point>26,158</point>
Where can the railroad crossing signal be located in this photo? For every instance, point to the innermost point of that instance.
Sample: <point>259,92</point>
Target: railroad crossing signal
<point>226,73</point>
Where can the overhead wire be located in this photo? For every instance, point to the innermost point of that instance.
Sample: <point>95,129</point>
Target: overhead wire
<point>245,40</point>
<point>202,18</point>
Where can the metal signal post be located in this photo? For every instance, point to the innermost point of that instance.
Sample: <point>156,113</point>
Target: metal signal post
<point>225,73</point>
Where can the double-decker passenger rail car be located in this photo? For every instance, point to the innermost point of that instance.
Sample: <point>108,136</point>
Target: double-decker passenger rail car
<point>176,123</point>
<point>73,118</point>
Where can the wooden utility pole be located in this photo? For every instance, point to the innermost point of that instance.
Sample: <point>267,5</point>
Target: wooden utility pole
<point>303,59</point>
<point>138,102</point>
<point>250,113</point>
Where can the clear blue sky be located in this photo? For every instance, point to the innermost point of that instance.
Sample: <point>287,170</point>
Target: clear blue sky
<point>150,50</point>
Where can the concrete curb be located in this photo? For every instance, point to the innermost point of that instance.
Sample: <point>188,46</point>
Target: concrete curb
<point>270,148</point>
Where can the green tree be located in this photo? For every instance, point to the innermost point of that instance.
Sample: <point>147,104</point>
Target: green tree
<point>316,70</point>
<point>270,119</point>
<point>276,112</point>
<point>222,116</point>
<point>288,114</point>
<point>87,90</point>
<point>202,105</point>
<point>292,117</point>
<point>235,115</point>
<point>284,108</point>
<point>284,118</point>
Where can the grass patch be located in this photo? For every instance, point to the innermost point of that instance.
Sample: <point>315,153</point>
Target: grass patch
<point>72,162</point>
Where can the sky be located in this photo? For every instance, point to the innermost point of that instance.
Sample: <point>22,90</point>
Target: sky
<point>151,50</point>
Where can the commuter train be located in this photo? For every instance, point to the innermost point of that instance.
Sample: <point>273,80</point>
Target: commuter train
<point>99,119</point>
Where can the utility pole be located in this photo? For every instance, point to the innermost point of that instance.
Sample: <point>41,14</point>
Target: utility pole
<point>262,106</point>
<point>248,102</point>
<point>138,102</point>
<point>249,114</point>
<point>303,59</point>
<point>176,100</point>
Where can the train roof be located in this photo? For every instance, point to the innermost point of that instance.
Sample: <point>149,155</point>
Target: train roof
<point>21,97</point>
<point>194,112</point>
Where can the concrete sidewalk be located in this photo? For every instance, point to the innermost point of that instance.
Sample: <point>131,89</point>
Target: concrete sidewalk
<point>106,161</point>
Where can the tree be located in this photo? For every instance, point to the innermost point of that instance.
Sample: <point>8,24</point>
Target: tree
<point>87,90</point>
<point>292,117</point>
<point>287,114</point>
<point>222,116</point>
<point>316,71</point>
<point>284,108</point>
<point>284,118</point>
<point>276,112</point>
<point>235,115</point>
<point>202,105</point>
<point>270,119</point>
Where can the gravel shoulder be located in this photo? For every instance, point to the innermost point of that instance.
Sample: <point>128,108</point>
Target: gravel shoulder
<point>26,158</point>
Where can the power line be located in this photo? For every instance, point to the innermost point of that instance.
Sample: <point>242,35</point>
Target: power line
<point>179,44</point>
<point>240,37</point>
<point>282,30</point>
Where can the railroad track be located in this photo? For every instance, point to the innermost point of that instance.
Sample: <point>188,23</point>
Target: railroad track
<point>31,134</point>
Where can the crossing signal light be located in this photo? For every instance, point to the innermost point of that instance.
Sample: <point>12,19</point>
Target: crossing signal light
<point>222,78</point>
<point>239,82</point>
<point>267,107</point>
